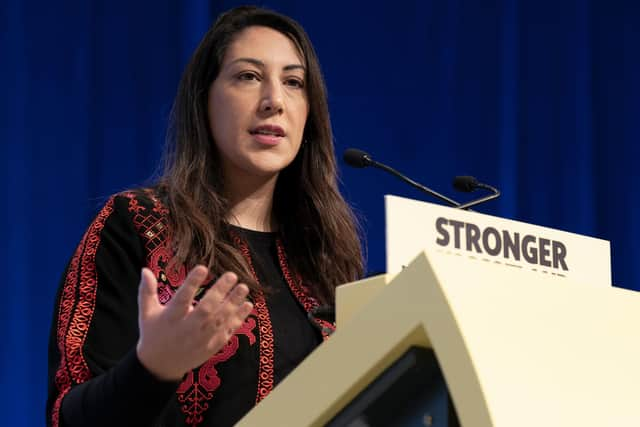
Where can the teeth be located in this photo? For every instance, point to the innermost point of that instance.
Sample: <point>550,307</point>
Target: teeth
<point>266,132</point>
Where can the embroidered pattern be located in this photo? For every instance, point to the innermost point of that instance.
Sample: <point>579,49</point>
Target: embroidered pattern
<point>301,292</point>
<point>151,225</point>
<point>77,304</point>
<point>266,365</point>
<point>197,389</point>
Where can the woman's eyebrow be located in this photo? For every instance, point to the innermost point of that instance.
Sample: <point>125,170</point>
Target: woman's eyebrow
<point>261,64</point>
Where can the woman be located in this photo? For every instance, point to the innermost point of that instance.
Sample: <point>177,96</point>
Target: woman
<point>247,208</point>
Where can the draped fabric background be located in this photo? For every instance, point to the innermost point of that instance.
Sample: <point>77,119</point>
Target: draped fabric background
<point>540,98</point>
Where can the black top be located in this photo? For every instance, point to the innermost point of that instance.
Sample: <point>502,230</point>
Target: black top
<point>294,335</point>
<point>95,377</point>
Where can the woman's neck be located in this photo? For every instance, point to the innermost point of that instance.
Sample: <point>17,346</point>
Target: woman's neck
<point>251,203</point>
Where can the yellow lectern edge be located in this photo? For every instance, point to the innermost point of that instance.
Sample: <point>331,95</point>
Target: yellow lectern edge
<point>448,341</point>
<point>415,337</point>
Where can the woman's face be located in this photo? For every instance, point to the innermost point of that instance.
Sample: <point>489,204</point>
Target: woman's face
<point>258,104</point>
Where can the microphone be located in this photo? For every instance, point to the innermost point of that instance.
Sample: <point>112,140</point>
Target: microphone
<point>360,159</point>
<point>357,158</point>
<point>467,184</point>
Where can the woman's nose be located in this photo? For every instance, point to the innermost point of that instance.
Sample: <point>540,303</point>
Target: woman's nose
<point>272,99</point>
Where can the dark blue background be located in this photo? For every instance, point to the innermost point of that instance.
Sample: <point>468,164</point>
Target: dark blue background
<point>540,98</point>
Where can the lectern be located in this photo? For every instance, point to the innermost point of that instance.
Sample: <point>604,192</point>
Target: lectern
<point>518,325</point>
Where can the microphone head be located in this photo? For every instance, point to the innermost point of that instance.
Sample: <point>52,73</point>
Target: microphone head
<point>466,184</point>
<point>357,158</point>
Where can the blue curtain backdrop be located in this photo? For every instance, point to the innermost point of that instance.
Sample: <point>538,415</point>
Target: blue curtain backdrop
<point>540,98</point>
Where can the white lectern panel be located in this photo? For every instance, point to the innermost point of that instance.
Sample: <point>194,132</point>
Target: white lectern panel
<point>412,226</point>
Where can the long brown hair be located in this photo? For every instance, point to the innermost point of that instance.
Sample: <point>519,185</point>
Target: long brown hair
<point>317,226</point>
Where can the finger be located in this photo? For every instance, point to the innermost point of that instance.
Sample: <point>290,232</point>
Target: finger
<point>244,310</point>
<point>226,330</point>
<point>238,294</point>
<point>211,300</point>
<point>239,316</point>
<point>233,325</point>
<point>183,298</point>
<point>227,314</point>
<point>148,300</point>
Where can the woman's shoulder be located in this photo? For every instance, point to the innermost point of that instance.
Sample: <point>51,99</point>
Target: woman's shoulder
<point>144,198</point>
<point>140,207</point>
<point>141,199</point>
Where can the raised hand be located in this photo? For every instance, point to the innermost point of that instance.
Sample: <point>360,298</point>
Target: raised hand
<point>179,336</point>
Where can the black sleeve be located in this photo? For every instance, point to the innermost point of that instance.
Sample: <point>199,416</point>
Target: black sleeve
<point>95,377</point>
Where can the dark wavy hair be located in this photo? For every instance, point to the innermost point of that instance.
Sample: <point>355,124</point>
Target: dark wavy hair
<point>317,227</point>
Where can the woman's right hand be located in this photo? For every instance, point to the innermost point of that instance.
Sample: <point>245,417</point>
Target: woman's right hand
<point>179,336</point>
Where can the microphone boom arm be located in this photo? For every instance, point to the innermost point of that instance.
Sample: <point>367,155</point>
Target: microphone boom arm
<point>415,184</point>
<point>495,194</point>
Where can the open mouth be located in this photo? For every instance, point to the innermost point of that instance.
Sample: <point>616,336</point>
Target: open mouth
<point>269,130</point>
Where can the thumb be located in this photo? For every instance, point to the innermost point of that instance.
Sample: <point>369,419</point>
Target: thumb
<point>148,301</point>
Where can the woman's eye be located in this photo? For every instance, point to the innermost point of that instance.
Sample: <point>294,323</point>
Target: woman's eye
<point>247,76</point>
<point>296,83</point>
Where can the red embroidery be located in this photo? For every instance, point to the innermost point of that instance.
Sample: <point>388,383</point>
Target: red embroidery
<point>194,395</point>
<point>195,392</point>
<point>301,292</point>
<point>76,311</point>
<point>266,365</point>
<point>133,204</point>
<point>151,224</point>
<point>266,368</point>
<point>158,206</point>
<point>168,278</point>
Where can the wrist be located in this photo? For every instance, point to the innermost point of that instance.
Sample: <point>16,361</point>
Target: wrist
<point>162,374</point>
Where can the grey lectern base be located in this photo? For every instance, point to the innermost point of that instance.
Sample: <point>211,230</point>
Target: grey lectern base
<point>411,392</point>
